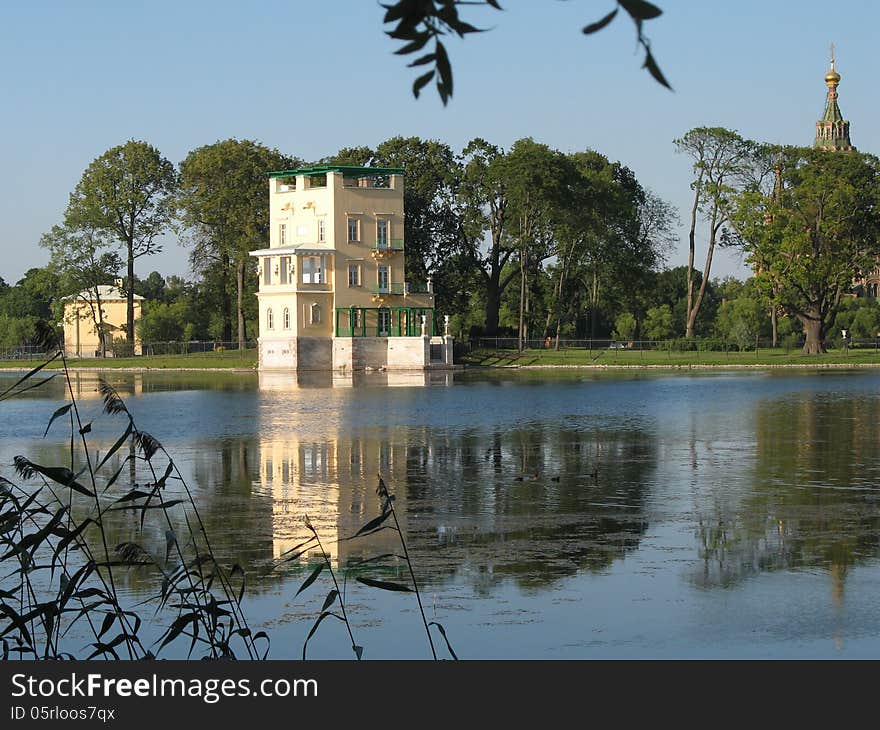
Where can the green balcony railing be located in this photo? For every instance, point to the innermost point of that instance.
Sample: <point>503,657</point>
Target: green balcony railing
<point>395,244</point>
<point>393,288</point>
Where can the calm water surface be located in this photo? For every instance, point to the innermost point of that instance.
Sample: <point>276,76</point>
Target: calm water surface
<point>550,515</point>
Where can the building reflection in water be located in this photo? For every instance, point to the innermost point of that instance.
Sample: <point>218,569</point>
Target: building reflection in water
<point>531,504</point>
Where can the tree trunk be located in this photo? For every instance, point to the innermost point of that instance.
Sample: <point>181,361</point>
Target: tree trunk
<point>814,344</point>
<point>710,250</point>
<point>522,298</point>
<point>773,325</point>
<point>689,329</point>
<point>240,303</point>
<point>129,316</point>
<point>493,305</point>
<point>225,303</point>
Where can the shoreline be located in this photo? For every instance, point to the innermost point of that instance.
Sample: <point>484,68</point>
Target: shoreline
<point>465,367</point>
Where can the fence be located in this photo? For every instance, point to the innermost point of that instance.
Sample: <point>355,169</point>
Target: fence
<point>674,345</point>
<point>123,349</point>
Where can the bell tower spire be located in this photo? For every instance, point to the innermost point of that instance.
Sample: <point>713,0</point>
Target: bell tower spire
<point>832,130</point>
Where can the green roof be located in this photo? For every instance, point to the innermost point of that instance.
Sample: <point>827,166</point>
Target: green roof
<point>346,170</point>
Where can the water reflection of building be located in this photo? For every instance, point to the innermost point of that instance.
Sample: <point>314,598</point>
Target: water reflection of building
<point>523,504</point>
<point>293,380</point>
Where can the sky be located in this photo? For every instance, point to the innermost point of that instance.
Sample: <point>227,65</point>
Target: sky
<point>308,78</point>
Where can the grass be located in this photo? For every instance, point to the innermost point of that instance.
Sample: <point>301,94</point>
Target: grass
<point>223,359</point>
<point>662,358</point>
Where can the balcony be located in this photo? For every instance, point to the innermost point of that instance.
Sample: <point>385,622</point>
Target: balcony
<point>387,289</point>
<point>381,249</point>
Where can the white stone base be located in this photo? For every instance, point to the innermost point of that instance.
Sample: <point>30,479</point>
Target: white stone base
<point>350,354</point>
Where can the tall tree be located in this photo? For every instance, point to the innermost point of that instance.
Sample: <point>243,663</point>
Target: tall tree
<point>808,240</point>
<point>84,261</point>
<point>483,199</point>
<point>536,181</point>
<point>127,194</point>
<point>431,227</point>
<point>223,202</point>
<point>723,162</point>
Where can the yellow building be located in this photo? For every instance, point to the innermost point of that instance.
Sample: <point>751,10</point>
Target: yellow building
<point>332,287</point>
<point>81,338</point>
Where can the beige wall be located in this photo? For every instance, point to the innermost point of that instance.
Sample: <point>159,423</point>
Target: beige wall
<point>80,334</point>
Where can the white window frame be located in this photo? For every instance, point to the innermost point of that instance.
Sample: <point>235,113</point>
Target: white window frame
<point>282,234</point>
<point>383,225</point>
<point>322,230</point>
<point>312,275</point>
<point>267,269</point>
<point>270,319</point>
<point>387,269</point>
<point>356,270</point>
<point>356,227</point>
<point>285,320</point>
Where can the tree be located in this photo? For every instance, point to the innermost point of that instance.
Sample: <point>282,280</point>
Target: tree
<point>740,320</point>
<point>126,194</point>
<point>536,183</point>
<point>659,324</point>
<point>483,197</point>
<point>419,22</point>
<point>723,162</point>
<point>83,261</point>
<point>431,223</point>
<point>224,207</point>
<point>809,239</point>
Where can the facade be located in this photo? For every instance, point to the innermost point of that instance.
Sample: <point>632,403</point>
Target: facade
<point>81,338</point>
<point>333,293</point>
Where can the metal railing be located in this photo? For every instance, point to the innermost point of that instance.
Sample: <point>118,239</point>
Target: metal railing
<point>387,289</point>
<point>395,244</point>
<point>672,345</point>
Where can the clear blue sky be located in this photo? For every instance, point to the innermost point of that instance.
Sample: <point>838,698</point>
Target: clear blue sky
<point>310,77</point>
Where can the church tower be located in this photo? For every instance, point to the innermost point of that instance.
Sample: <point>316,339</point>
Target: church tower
<point>832,131</point>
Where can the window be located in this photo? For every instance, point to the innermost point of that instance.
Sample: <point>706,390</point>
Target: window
<point>354,274</point>
<point>284,264</point>
<point>313,270</point>
<point>384,278</point>
<point>384,322</point>
<point>291,276</point>
<point>315,313</point>
<point>267,270</point>
<point>357,318</point>
<point>286,318</point>
<point>321,231</point>
<point>354,229</point>
<point>270,320</point>
<point>382,227</point>
<point>282,234</point>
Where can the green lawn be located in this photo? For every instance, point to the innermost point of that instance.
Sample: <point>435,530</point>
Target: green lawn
<point>223,359</point>
<point>659,358</point>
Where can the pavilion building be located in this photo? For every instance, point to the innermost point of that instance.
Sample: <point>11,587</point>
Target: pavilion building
<point>333,293</point>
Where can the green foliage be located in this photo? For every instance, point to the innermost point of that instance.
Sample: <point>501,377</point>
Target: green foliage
<point>419,23</point>
<point>161,322</point>
<point>624,327</point>
<point>659,323</point>
<point>810,233</point>
<point>860,317</point>
<point>126,196</point>
<point>740,321</point>
<point>224,209</point>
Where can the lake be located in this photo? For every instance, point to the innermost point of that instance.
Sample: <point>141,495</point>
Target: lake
<point>548,514</point>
